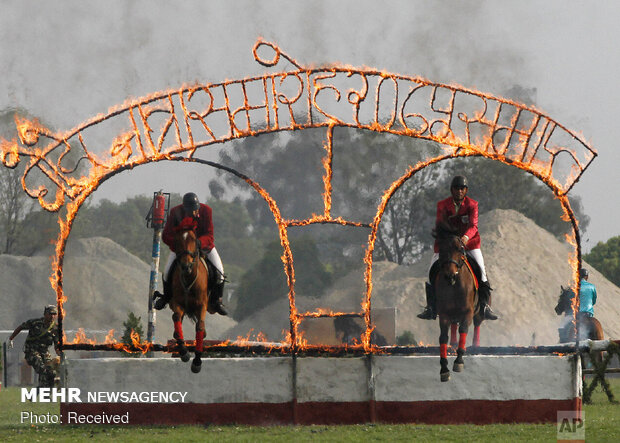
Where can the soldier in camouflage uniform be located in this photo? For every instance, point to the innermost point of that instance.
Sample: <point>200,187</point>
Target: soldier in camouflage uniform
<point>42,333</point>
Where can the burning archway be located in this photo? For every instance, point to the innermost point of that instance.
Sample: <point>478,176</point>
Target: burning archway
<point>465,122</point>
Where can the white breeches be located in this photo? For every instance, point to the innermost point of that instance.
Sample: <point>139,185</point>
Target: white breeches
<point>213,257</point>
<point>475,253</point>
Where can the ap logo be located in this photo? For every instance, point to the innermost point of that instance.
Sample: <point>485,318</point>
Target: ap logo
<point>571,426</point>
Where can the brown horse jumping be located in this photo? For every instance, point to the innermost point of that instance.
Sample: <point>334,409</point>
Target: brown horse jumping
<point>189,290</point>
<point>457,297</point>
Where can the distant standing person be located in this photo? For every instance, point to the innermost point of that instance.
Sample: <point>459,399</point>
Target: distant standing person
<point>42,333</point>
<point>587,294</point>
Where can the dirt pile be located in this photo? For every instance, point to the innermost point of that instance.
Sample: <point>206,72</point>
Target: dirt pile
<point>526,266</point>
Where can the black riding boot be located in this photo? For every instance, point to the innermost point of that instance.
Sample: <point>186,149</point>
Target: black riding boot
<point>161,300</point>
<point>430,311</point>
<point>215,299</point>
<point>484,293</point>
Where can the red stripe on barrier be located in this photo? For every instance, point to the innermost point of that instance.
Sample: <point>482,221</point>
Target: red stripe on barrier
<point>430,412</point>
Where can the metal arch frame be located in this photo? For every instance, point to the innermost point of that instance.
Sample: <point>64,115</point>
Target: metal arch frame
<point>529,143</point>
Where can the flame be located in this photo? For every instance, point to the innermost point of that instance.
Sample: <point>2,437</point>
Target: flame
<point>136,145</point>
<point>326,312</point>
<point>259,337</point>
<point>29,131</point>
<point>109,339</point>
<point>81,338</point>
<point>112,343</point>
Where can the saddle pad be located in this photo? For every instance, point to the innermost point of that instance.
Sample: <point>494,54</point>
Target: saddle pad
<point>472,273</point>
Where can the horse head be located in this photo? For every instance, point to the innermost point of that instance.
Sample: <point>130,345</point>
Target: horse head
<point>565,301</point>
<point>186,245</point>
<point>451,253</point>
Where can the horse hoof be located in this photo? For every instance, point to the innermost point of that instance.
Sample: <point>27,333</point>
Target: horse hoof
<point>458,367</point>
<point>445,376</point>
<point>185,357</point>
<point>196,366</point>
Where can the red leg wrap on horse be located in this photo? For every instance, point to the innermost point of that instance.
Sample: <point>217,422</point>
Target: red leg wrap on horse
<point>476,335</point>
<point>200,335</point>
<point>443,350</point>
<point>462,339</point>
<point>178,330</point>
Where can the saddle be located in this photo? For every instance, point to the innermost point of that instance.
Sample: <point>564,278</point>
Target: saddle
<point>212,280</point>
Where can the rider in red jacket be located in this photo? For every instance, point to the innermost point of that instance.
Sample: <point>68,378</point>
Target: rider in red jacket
<point>202,213</point>
<point>461,212</point>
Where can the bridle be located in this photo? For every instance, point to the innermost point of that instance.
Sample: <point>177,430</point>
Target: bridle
<point>459,264</point>
<point>188,270</point>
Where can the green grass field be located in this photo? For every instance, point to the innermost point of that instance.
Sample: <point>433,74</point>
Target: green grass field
<point>602,420</point>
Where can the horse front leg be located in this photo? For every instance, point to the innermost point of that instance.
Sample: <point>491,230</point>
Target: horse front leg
<point>459,364</point>
<point>177,319</point>
<point>444,373</point>
<point>200,335</point>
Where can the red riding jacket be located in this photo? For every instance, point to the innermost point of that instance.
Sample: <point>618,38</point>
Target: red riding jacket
<point>204,231</point>
<point>465,221</point>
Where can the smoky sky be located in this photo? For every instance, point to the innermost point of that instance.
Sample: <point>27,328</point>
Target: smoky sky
<point>70,60</point>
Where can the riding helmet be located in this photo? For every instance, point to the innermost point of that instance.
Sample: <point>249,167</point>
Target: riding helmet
<point>583,272</point>
<point>190,202</point>
<point>459,181</point>
<point>51,309</point>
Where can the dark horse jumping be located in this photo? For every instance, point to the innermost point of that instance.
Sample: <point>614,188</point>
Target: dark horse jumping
<point>589,327</point>
<point>457,296</point>
<point>189,290</point>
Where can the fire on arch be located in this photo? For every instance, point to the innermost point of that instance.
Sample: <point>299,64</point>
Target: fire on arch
<point>293,97</point>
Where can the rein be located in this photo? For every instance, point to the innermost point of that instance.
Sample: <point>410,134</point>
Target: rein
<point>462,260</point>
<point>193,255</point>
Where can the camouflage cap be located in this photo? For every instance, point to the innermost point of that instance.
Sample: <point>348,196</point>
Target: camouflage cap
<point>51,309</point>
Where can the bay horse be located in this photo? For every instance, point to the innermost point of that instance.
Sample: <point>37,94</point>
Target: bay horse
<point>189,289</point>
<point>456,294</point>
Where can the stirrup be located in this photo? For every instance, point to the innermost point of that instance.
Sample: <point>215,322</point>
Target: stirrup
<point>427,314</point>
